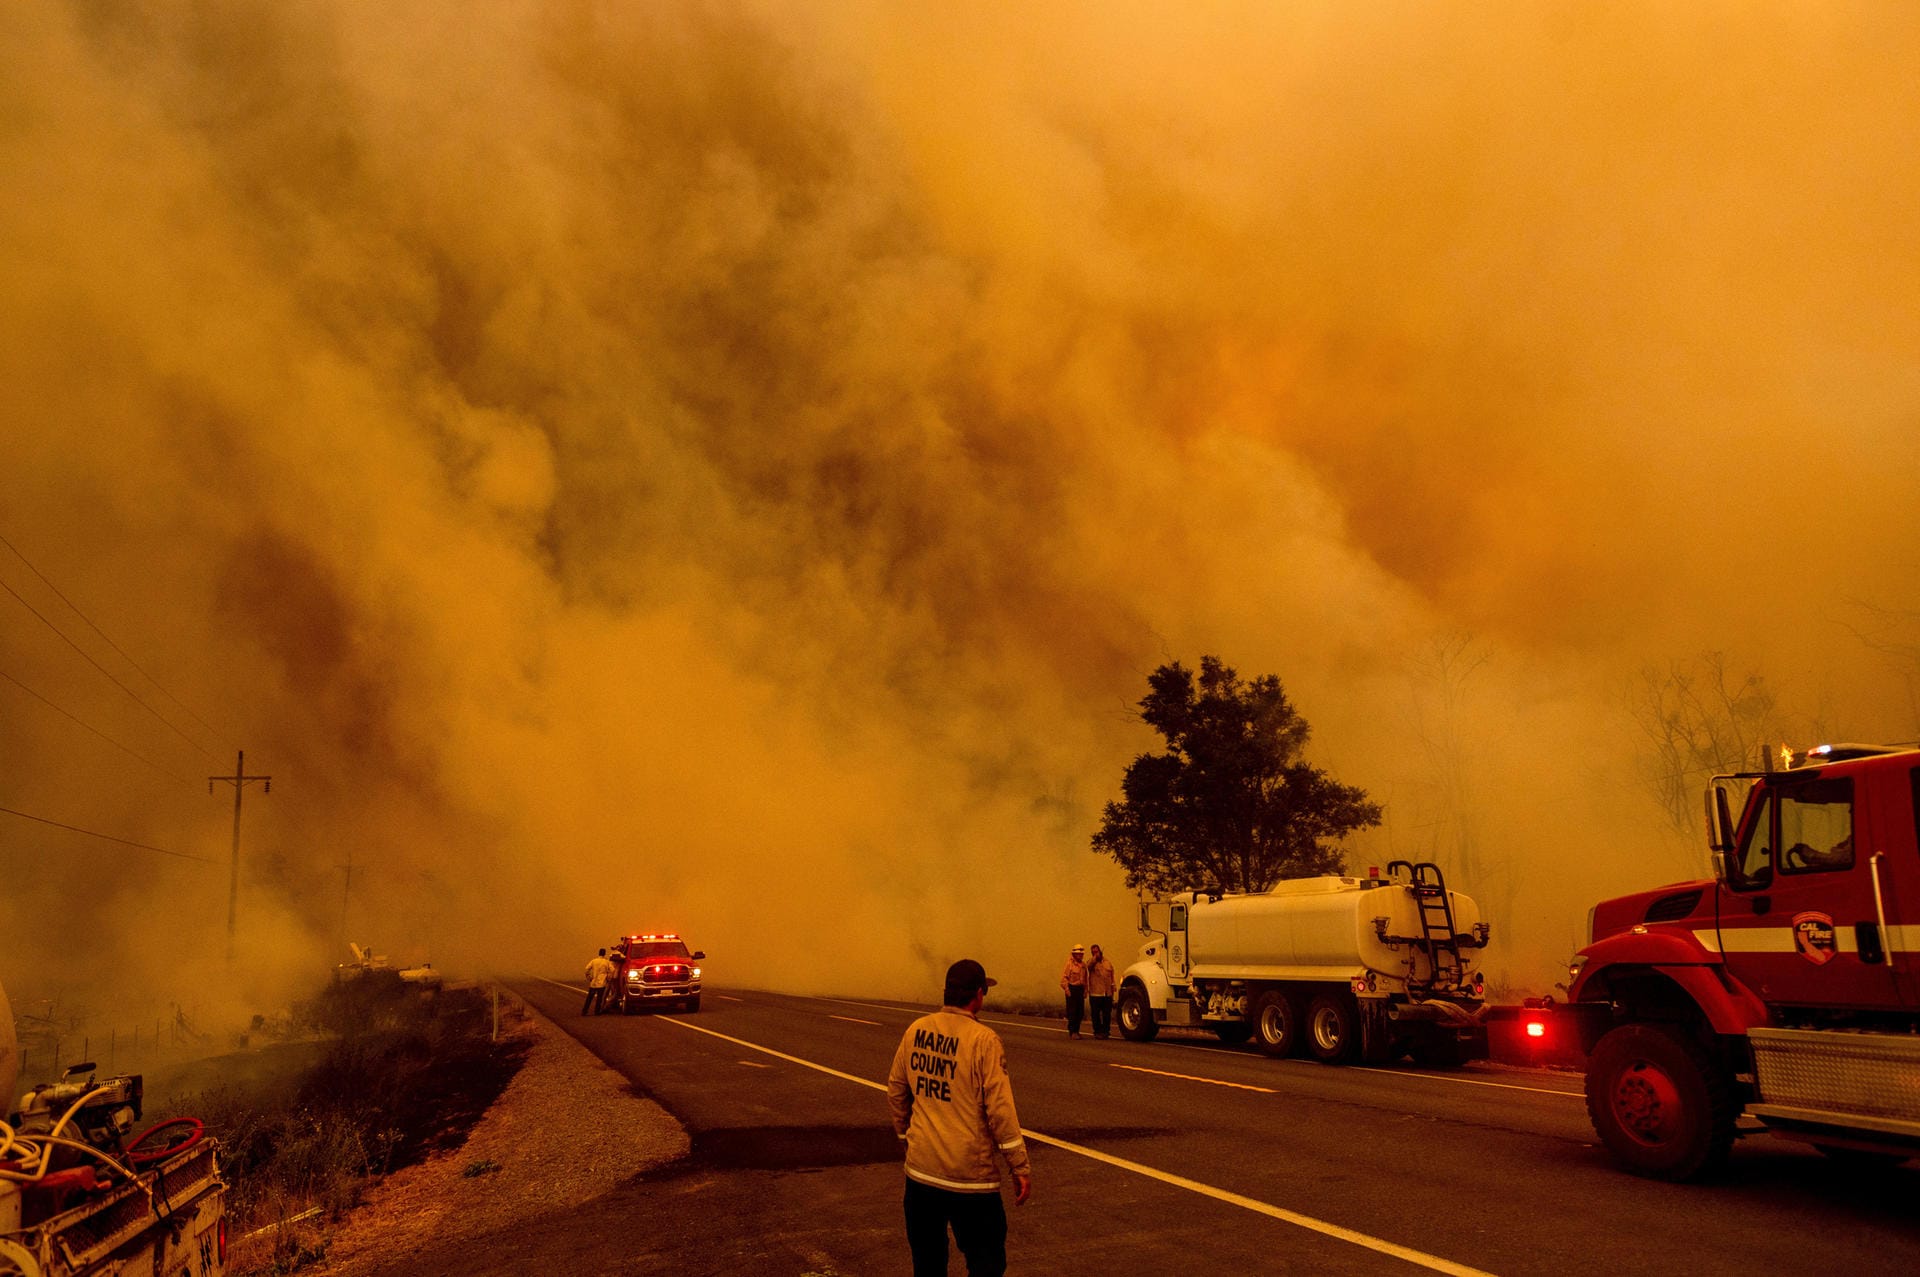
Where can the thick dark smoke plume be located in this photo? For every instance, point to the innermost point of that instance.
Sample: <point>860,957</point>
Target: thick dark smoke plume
<point>732,468</point>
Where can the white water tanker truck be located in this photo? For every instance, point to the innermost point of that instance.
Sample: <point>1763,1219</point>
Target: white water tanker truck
<point>1342,968</point>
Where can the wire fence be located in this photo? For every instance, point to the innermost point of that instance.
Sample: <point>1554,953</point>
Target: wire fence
<point>50,1044</point>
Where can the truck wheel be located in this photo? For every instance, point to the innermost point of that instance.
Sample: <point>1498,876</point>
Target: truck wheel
<point>1233,1034</point>
<point>1659,1104</point>
<point>1276,1023</point>
<point>1136,1016</point>
<point>1333,1028</point>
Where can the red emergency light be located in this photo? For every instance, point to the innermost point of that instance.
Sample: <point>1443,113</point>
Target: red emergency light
<point>1535,1029</point>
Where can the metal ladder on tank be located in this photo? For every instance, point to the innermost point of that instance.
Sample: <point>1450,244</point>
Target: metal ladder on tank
<point>1437,932</point>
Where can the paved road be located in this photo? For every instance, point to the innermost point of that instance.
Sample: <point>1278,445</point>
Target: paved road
<point>1184,1156</point>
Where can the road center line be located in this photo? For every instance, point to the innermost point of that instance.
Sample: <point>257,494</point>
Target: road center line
<point>1192,1078</point>
<point>1419,1258</point>
<point>724,998</point>
<point>853,1020</point>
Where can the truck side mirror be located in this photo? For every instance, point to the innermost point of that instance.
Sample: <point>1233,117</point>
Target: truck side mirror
<point>1143,917</point>
<point>1719,821</point>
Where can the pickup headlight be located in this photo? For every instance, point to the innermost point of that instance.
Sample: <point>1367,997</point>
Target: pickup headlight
<point>1578,961</point>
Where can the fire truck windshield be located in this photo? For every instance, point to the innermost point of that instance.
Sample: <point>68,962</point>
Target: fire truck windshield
<point>658,949</point>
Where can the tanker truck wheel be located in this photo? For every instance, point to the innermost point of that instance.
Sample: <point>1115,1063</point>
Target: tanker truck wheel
<point>1333,1028</point>
<point>1659,1103</point>
<point>1276,1023</point>
<point>1136,1017</point>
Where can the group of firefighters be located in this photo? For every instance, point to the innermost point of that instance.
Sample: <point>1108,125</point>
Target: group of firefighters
<point>1087,983</point>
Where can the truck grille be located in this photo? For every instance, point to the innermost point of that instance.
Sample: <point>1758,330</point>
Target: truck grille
<point>1872,1074</point>
<point>673,973</point>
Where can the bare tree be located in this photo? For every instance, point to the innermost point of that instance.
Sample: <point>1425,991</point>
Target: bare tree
<point>1700,717</point>
<point>1441,685</point>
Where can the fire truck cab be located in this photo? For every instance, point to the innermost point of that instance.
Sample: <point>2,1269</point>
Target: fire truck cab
<point>1786,988</point>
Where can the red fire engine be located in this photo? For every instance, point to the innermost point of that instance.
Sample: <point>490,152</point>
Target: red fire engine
<point>1786,987</point>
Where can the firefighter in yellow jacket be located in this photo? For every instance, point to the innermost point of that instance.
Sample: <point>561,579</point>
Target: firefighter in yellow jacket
<point>952,1104</point>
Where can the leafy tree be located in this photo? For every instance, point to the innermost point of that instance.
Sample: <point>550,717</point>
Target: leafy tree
<point>1230,805</point>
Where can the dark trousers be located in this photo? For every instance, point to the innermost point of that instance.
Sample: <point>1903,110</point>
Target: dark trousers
<point>596,1001</point>
<point>979,1225</point>
<point>1102,1005</point>
<point>1076,1005</point>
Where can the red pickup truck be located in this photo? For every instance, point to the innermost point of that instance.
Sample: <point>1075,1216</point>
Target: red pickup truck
<point>652,969</point>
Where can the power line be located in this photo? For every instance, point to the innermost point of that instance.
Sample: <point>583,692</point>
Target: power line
<point>125,749</point>
<point>125,842</point>
<point>104,670</point>
<point>75,609</point>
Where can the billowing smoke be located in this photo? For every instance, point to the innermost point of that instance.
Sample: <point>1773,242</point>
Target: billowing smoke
<point>722,467</point>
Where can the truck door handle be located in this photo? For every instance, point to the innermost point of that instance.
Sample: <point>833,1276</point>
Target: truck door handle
<point>1762,903</point>
<point>1867,938</point>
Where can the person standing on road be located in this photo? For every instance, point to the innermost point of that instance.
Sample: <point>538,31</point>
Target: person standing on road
<point>952,1105</point>
<point>1100,992</point>
<point>599,971</point>
<point>1074,981</point>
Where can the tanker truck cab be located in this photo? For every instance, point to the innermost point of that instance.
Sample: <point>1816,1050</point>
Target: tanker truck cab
<point>1336,967</point>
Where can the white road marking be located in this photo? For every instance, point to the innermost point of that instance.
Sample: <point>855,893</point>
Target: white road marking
<point>724,998</point>
<point>1419,1258</point>
<point>753,1064</point>
<point>849,1002</point>
<point>1015,1024</point>
<point>1189,1077</point>
<point>1467,1081</point>
<point>919,1011</point>
<point>1425,1077</point>
<point>852,1020</point>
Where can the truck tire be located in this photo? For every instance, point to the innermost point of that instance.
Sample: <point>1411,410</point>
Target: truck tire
<point>1276,1022</point>
<point>1233,1034</point>
<point>1136,1015</point>
<point>1333,1028</point>
<point>1659,1103</point>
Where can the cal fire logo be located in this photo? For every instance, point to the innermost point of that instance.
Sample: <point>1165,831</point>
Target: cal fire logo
<point>1813,937</point>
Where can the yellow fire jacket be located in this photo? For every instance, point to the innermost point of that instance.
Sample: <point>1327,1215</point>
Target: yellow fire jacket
<point>952,1103</point>
<point>599,971</point>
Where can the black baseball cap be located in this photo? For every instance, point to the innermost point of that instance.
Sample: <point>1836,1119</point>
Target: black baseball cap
<point>967,977</point>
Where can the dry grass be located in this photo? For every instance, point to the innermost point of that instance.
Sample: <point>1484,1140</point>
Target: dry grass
<point>566,1130</point>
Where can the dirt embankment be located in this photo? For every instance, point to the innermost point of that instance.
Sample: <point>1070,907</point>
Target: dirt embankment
<point>566,1130</point>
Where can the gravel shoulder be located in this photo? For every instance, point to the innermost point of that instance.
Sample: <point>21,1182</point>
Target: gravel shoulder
<point>566,1131</point>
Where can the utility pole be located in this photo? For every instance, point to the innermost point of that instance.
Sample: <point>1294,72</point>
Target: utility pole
<point>239,780</point>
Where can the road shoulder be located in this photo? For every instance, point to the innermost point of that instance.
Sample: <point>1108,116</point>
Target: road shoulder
<point>567,1130</point>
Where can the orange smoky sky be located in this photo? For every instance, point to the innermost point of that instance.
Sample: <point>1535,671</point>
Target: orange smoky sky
<point>732,466</point>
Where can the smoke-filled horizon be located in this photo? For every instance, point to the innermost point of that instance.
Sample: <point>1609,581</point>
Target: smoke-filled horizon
<point>722,468</point>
